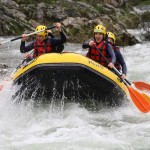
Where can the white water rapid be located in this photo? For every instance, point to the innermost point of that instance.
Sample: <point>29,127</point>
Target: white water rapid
<point>25,127</point>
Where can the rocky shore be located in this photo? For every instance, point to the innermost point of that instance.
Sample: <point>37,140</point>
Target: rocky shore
<point>78,17</point>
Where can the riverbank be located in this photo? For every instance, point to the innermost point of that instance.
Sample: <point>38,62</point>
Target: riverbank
<point>77,17</point>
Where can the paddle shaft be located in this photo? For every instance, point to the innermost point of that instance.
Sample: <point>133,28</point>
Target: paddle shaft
<point>27,35</point>
<point>125,81</point>
<point>114,69</point>
<point>117,72</point>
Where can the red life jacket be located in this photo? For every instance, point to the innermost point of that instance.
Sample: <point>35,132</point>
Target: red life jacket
<point>94,54</point>
<point>41,47</point>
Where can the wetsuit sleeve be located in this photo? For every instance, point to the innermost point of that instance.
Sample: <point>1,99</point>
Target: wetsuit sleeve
<point>111,53</point>
<point>51,35</point>
<point>63,37</point>
<point>86,44</point>
<point>59,41</point>
<point>120,59</point>
<point>24,49</point>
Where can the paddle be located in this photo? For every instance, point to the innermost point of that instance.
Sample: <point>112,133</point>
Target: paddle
<point>138,99</point>
<point>27,35</point>
<point>19,66</point>
<point>142,85</point>
<point>145,96</point>
<point>1,86</point>
<point>24,60</point>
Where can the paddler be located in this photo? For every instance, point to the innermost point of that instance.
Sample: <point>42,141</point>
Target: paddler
<point>43,43</point>
<point>98,42</point>
<point>120,64</point>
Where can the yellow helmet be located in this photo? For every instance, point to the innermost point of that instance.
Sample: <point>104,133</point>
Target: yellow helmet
<point>100,29</point>
<point>111,35</point>
<point>43,33</point>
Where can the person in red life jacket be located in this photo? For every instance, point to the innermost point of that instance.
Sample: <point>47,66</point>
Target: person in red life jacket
<point>43,43</point>
<point>120,63</point>
<point>102,45</point>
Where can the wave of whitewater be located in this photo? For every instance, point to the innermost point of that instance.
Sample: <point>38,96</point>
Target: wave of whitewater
<point>26,127</point>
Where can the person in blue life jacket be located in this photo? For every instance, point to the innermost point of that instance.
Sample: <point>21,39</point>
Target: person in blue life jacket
<point>102,45</point>
<point>120,64</point>
<point>43,42</point>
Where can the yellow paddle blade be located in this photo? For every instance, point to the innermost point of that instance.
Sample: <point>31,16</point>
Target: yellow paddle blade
<point>139,100</point>
<point>146,97</point>
<point>142,85</point>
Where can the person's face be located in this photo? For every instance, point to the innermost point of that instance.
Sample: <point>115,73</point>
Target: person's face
<point>40,38</point>
<point>98,37</point>
<point>110,40</point>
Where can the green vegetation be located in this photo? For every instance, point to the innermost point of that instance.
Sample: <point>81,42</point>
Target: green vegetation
<point>145,24</point>
<point>140,2</point>
<point>100,9</point>
<point>130,20</point>
<point>12,27</point>
<point>115,19</point>
<point>36,1</point>
<point>74,31</point>
<point>145,17</point>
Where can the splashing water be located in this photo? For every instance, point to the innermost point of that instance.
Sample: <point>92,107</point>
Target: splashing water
<point>26,127</point>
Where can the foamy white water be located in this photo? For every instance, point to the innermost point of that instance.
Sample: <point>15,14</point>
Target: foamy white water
<point>26,127</point>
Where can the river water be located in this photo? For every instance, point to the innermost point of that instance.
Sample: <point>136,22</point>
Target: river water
<point>25,127</point>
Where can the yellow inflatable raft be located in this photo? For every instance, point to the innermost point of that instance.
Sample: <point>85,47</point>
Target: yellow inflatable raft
<point>71,77</point>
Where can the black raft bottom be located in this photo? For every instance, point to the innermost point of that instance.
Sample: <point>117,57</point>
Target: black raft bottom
<point>70,84</point>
